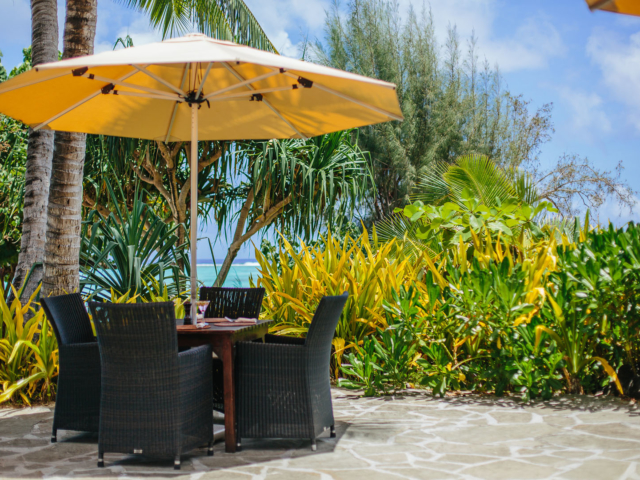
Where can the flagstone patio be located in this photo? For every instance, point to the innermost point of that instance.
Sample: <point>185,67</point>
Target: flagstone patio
<point>409,437</point>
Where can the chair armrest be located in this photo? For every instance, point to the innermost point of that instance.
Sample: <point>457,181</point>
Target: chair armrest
<point>80,351</point>
<point>197,357</point>
<point>196,396</point>
<point>80,362</point>
<point>283,340</point>
<point>268,356</point>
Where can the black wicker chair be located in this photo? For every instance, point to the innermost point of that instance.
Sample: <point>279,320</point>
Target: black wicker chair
<point>78,395</point>
<point>232,303</point>
<point>155,401</point>
<point>283,385</point>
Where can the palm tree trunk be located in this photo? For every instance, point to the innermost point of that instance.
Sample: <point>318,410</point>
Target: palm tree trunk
<point>44,48</point>
<point>64,213</point>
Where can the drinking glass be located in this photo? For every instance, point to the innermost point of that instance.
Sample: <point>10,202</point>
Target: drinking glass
<point>202,307</point>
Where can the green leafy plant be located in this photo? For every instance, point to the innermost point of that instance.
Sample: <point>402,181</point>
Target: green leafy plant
<point>575,331</point>
<point>363,370</point>
<point>28,353</point>
<point>128,251</point>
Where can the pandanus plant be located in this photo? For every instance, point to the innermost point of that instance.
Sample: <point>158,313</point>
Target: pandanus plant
<point>129,250</point>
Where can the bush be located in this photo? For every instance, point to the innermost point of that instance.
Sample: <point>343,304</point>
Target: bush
<point>28,353</point>
<point>491,314</point>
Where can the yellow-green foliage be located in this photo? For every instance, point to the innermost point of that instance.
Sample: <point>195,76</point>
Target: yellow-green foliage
<point>28,353</point>
<point>368,273</point>
<point>476,331</point>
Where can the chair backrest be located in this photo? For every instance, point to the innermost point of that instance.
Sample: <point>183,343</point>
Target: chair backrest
<point>69,318</point>
<point>136,336</point>
<point>140,372</point>
<point>232,302</point>
<point>323,327</point>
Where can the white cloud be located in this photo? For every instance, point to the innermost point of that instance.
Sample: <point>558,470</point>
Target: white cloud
<point>284,20</point>
<point>534,43</point>
<point>619,62</point>
<point>611,211</point>
<point>116,21</point>
<point>587,113</point>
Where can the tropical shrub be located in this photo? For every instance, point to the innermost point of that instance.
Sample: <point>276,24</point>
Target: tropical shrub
<point>297,280</point>
<point>129,252</point>
<point>28,353</point>
<point>490,313</point>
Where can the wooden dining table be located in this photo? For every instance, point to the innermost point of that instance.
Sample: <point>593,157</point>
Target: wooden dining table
<point>223,339</point>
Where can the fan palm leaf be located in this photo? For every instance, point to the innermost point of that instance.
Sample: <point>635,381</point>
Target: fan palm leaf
<point>478,174</point>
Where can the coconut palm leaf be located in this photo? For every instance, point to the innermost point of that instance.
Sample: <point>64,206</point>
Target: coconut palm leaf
<point>222,19</point>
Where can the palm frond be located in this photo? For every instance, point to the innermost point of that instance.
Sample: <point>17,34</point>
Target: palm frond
<point>478,174</point>
<point>222,19</point>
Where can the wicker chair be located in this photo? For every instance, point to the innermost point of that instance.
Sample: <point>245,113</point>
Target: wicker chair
<point>155,401</point>
<point>78,395</point>
<point>232,303</point>
<point>283,386</point>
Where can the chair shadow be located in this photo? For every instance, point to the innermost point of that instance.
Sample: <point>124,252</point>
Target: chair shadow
<point>253,452</point>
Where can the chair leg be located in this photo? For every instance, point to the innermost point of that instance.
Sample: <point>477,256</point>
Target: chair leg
<point>100,459</point>
<point>54,435</point>
<point>176,463</point>
<point>314,447</point>
<point>333,431</point>
<point>210,450</point>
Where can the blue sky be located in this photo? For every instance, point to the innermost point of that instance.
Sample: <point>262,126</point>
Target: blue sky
<point>587,64</point>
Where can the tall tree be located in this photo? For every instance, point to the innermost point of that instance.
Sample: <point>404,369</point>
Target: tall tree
<point>452,105</point>
<point>64,212</point>
<point>44,48</point>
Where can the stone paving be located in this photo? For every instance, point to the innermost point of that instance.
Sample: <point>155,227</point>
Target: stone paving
<point>409,437</point>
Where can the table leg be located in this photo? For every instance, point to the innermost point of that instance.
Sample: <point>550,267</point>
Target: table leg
<point>228,354</point>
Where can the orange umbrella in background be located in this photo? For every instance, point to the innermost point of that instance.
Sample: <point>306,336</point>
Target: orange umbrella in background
<point>627,7</point>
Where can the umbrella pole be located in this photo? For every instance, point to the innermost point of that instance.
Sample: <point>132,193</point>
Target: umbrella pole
<point>194,213</point>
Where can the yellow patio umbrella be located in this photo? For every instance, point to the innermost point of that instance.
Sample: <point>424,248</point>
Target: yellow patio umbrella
<point>629,7</point>
<point>192,88</point>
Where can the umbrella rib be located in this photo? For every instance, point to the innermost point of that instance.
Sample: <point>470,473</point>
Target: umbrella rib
<point>145,95</point>
<point>243,83</point>
<point>175,107</point>
<point>266,102</point>
<point>76,105</point>
<point>600,4</point>
<point>204,79</point>
<point>28,84</point>
<point>160,79</point>
<point>254,92</point>
<point>351,99</point>
<point>129,85</point>
<point>275,110</point>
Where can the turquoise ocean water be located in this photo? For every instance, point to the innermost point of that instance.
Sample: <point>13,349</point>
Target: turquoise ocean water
<point>238,274</point>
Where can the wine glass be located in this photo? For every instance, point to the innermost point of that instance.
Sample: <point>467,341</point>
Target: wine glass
<point>202,307</point>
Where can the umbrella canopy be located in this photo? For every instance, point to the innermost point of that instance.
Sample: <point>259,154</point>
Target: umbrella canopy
<point>193,88</point>
<point>629,7</point>
<point>244,93</point>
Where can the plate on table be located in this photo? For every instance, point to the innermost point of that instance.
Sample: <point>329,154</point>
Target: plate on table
<point>192,328</point>
<point>229,322</point>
